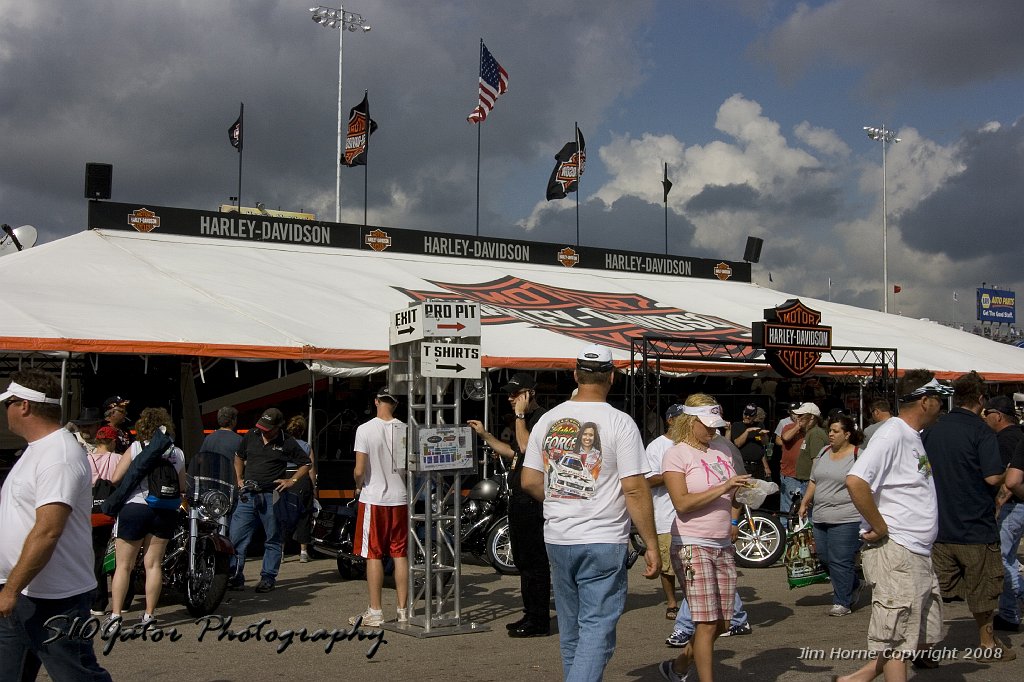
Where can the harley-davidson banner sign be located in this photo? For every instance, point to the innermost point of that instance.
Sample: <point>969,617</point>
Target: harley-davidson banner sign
<point>597,317</point>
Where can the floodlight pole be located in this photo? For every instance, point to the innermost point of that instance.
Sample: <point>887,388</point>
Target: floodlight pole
<point>884,136</point>
<point>328,17</point>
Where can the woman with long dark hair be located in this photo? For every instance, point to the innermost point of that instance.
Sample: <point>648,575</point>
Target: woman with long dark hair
<point>836,520</point>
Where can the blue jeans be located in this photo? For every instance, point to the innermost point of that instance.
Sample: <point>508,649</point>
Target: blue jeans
<point>66,659</point>
<point>1011,527</point>
<point>259,507</point>
<point>684,621</point>
<point>837,545</point>
<point>590,595</point>
<point>789,486</point>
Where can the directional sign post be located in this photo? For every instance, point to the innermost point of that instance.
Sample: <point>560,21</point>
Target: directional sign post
<point>455,360</point>
<point>407,325</point>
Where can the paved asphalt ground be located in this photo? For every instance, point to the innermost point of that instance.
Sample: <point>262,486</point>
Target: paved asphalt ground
<point>786,624</point>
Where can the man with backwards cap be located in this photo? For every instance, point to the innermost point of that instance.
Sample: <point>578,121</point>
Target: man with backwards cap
<point>526,515</point>
<point>891,486</point>
<point>46,575</point>
<point>263,457</point>
<point>587,511</point>
<point>382,522</point>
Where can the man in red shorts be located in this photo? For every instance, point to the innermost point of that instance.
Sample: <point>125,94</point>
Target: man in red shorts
<point>382,524</point>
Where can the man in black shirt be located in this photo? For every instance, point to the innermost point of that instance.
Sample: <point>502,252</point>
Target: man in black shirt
<point>263,457</point>
<point>752,438</point>
<point>1001,417</point>
<point>526,515</point>
<point>967,471</point>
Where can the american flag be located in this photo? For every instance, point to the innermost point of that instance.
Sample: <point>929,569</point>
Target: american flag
<point>493,83</point>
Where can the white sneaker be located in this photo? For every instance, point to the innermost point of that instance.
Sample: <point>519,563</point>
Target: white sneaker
<point>839,610</point>
<point>97,613</point>
<point>403,616</point>
<point>665,668</point>
<point>304,558</point>
<point>371,619</point>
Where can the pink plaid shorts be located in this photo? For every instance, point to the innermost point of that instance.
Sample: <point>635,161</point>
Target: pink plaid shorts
<point>708,578</point>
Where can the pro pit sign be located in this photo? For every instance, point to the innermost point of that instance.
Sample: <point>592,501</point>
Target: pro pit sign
<point>435,319</point>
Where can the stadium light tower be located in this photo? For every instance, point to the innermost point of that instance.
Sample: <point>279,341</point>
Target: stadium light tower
<point>328,17</point>
<point>885,136</point>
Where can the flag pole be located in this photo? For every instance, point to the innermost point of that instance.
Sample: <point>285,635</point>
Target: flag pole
<point>241,143</point>
<point>666,207</point>
<point>478,126</point>
<point>579,177</point>
<point>366,166</point>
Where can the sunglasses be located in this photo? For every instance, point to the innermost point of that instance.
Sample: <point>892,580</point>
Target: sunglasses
<point>11,401</point>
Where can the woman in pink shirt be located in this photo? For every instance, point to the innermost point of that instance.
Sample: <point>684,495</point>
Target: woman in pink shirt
<point>701,481</point>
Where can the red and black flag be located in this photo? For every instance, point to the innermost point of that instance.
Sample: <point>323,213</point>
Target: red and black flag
<point>235,132</point>
<point>360,127</point>
<point>570,162</point>
<point>667,184</point>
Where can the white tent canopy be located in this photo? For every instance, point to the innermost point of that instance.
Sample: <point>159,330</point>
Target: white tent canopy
<point>114,291</point>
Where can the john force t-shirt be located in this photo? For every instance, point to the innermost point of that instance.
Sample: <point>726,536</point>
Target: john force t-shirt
<point>584,450</point>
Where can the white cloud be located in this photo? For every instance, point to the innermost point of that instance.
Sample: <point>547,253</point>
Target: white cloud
<point>821,139</point>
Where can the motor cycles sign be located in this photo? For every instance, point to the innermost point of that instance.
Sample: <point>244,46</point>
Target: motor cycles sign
<point>793,338</point>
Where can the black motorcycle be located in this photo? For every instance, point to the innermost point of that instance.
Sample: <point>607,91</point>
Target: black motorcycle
<point>483,520</point>
<point>197,562</point>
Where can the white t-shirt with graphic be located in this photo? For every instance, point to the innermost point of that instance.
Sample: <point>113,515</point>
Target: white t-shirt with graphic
<point>383,481</point>
<point>896,467</point>
<point>52,470</point>
<point>584,450</point>
<point>664,511</point>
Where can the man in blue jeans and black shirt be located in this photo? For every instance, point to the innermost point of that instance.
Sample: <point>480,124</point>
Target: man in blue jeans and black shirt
<point>263,457</point>
<point>526,515</point>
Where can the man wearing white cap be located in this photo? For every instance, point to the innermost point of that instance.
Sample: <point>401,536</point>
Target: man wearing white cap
<point>45,538</point>
<point>796,463</point>
<point>585,460</point>
<point>891,485</point>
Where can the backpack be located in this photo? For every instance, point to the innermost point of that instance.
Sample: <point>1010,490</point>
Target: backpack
<point>164,492</point>
<point>137,472</point>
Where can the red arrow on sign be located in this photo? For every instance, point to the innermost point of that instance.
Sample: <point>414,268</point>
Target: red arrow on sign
<point>458,326</point>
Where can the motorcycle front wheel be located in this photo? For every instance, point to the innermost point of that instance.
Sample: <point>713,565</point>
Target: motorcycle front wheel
<point>761,540</point>
<point>499,548</point>
<point>205,589</point>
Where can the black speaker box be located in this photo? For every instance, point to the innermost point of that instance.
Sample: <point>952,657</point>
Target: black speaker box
<point>753,252</point>
<point>97,180</point>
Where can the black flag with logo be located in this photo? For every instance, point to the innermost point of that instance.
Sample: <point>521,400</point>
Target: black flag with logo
<point>667,184</point>
<point>570,162</point>
<point>235,134</point>
<point>360,127</point>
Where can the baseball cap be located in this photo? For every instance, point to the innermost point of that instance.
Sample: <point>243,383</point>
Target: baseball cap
<point>807,408</point>
<point>520,381</point>
<point>933,387</point>
<point>750,410</point>
<point>107,433</point>
<point>114,401</point>
<point>1001,403</point>
<point>384,393</point>
<point>595,358</point>
<point>272,419</point>
<point>673,411</point>
<point>709,415</point>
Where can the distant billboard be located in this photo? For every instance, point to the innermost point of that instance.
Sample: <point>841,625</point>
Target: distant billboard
<point>258,210</point>
<point>996,305</point>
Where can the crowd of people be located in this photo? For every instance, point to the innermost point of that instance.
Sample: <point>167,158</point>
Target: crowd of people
<point>931,502</point>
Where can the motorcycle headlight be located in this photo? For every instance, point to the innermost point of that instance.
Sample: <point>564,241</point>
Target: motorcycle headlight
<point>215,503</point>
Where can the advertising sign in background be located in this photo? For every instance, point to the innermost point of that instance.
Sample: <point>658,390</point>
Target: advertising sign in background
<point>997,305</point>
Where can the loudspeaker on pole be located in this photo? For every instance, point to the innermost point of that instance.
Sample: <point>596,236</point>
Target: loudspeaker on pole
<point>98,178</point>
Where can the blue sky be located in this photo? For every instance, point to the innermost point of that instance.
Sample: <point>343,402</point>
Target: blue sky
<point>757,107</point>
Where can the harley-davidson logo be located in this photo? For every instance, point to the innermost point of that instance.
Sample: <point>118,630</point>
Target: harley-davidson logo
<point>793,338</point>
<point>378,240</point>
<point>568,257</point>
<point>723,271</point>
<point>612,319</point>
<point>143,220</point>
